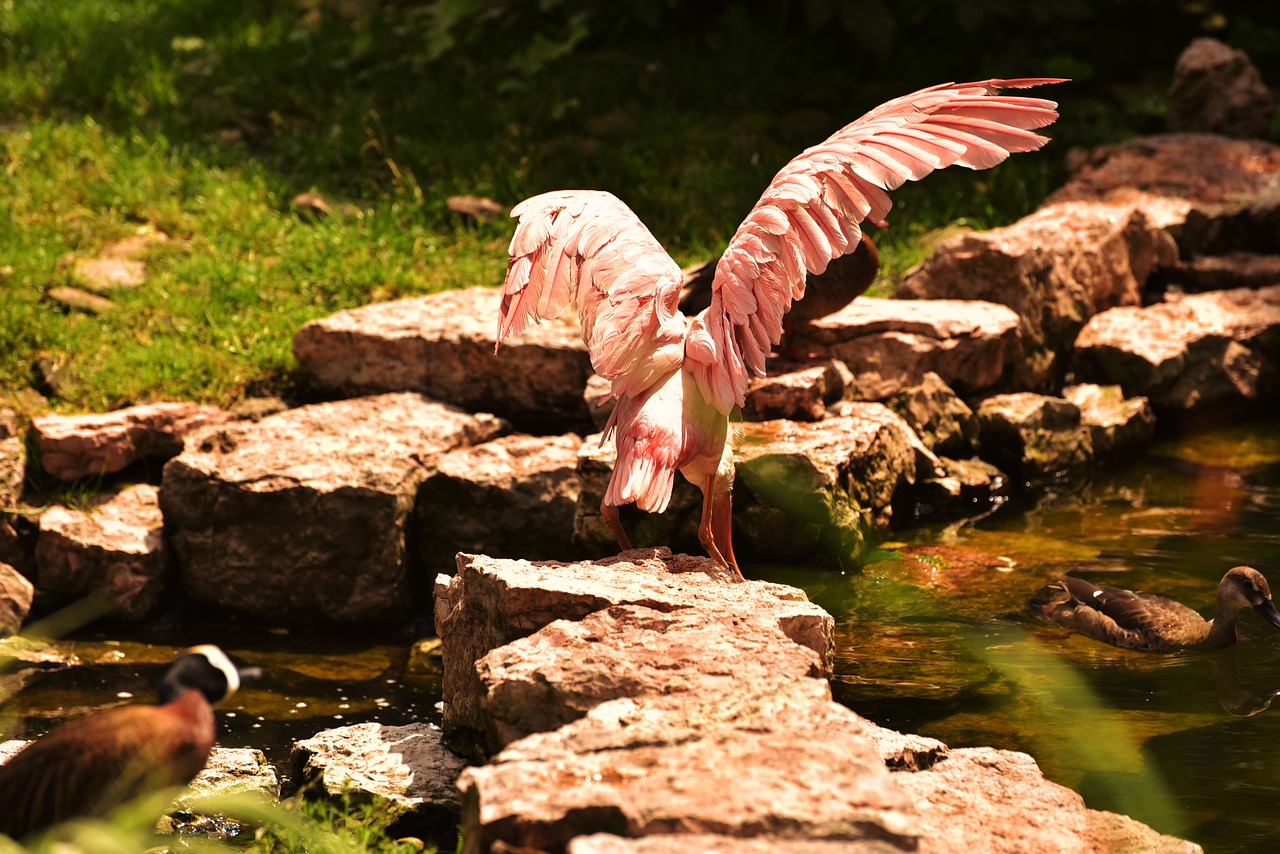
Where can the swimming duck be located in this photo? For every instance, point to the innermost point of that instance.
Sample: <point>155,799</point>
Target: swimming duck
<point>1144,621</point>
<point>90,765</point>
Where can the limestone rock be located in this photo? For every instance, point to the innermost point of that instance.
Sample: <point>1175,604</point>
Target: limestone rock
<point>827,482</point>
<point>557,674</point>
<point>443,346</point>
<point>796,390</point>
<point>73,446</point>
<point>1122,428</point>
<point>16,593</point>
<point>606,843</point>
<point>234,770</point>
<point>1038,436</point>
<point>1217,89</point>
<point>302,516</point>
<point>514,496</point>
<point>115,549</point>
<point>943,421</point>
<point>890,344</point>
<point>1055,269</point>
<point>1218,349</point>
<point>810,774</point>
<point>1224,197</point>
<point>489,603</point>
<point>409,766</point>
<point>968,798</point>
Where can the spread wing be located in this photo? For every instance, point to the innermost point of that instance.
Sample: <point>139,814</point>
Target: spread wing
<point>811,211</point>
<point>587,248</point>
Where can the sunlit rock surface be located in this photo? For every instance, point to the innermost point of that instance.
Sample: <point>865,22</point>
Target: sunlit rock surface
<point>1218,89</point>
<point>442,345</point>
<point>890,344</point>
<point>1054,268</point>
<point>1211,194</point>
<point>643,729</point>
<point>799,391</point>
<point>1122,427</point>
<point>1216,349</point>
<point>541,682</point>
<point>1038,436</point>
<point>514,496</point>
<point>74,446</point>
<point>234,771</point>
<point>407,765</point>
<point>114,549</point>
<point>489,603</point>
<point>302,516</point>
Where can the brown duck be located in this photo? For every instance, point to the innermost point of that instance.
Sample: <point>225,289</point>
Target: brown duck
<point>1152,623</point>
<point>90,765</point>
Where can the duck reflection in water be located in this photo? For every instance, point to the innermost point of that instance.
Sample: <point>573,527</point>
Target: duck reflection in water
<point>1235,698</point>
<point>1144,621</point>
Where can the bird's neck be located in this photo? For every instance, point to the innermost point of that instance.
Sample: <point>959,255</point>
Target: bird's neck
<point>1222,629</point>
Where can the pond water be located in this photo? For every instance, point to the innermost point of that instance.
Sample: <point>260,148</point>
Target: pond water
<point>932,639</point>
<point>938,642</point>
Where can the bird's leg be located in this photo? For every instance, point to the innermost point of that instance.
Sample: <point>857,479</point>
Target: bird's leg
<point>610,514</point>
<point>716,527</point>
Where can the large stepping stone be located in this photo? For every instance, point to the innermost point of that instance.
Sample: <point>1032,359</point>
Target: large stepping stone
<point>301,517</point>
<point>557,674</point>
<point>490,602</point>
<point>443,346</point>
<point>1203,352</point>
<point>75,446</point>
<point>114,550</point>
<point>890,344</point>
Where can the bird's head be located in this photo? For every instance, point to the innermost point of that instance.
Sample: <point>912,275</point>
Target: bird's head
<point>1245,586</point>
<point>206,669</point>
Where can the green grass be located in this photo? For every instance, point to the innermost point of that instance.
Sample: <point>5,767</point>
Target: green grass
<point>204,118</point>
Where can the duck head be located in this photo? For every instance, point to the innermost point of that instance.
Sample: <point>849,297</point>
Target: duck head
<point>1243,587</point>
<point>206,669</point>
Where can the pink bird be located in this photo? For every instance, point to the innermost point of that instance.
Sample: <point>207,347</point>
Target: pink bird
<point>676,379</point>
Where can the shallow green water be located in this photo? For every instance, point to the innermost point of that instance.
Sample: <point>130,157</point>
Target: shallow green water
<point>1184,742</point>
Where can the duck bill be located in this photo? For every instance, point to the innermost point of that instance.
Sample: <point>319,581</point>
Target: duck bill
<point>1268,611</point>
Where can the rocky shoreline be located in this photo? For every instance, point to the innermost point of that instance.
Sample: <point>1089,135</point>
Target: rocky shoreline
<point>642,702</point>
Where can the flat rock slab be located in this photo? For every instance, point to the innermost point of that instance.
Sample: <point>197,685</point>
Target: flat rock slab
<point>443,346</point>
<point>1055,269</point>
<point>799,391</point>
<point>74,446</point>
<point>890,344</point>
<point>983,799</point>
<point>554,676</point>
<point>1040,437</point>
<point>489,603</point>
<point>302,516</point>
<point>605,843</point>
<point>514,496</point>
<point>114,549</point>
<point>812,774</point>
<point>1122,427</point>
<point>407,765</point>
<point>1205,350</point>
<point>233,771</point>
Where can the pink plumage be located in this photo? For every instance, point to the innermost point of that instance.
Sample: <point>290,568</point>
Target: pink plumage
<point>677,379</point>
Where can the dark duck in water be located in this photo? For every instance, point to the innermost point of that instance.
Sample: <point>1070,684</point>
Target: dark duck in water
<point>1152,623</point>
<point>91,765</point>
